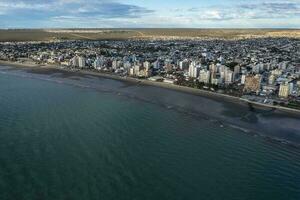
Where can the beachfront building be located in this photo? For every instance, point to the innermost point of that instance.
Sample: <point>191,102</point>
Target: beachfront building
<point>74,61</point>
<point>194,70</point>
<point>236,72</point>
<point>78,61</point>
<point>252,83</point>
<point>140,71</point>
<point>184,65</point>
<point>213,68</point>
<point>228,76</point>
<point>146,65</point>
<point>98,63</point>
<point>81,62</point>
<point>136,70</point>
<point>215,81</point>
<point>284,90</point>
<point>204,76</point>
<point>168,65</point>
<point>114,64</point>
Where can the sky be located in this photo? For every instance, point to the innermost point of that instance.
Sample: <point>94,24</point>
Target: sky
<point>149,14</point>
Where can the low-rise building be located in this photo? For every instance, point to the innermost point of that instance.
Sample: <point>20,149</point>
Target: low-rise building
<point>252,83</point>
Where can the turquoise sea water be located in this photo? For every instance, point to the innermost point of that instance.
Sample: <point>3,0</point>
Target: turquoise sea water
<point>68,137</point>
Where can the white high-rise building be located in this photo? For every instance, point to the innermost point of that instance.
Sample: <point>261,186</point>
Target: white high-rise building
<point>191,69</point>
<point>204,76</point>
<point>81,62</point>
<point>194,70</point>
<point>184,65</point>
<point>114,64</point>
<point>136,70</point>
<point>228,76</point>
<point>213,68</point>
<point>74,61</point>
<point>243,79</point>
<point>146,65</point>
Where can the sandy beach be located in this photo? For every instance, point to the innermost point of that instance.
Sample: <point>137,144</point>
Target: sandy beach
<point>213,95</point>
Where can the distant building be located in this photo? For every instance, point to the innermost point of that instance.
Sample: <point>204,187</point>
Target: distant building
<point>283,65</point>
<point>258,68</point>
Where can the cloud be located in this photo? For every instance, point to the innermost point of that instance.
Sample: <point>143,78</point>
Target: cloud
<point>112,10</point>
<point>118,13</point>
<point>258,10</point>
<point>272,10</point>
<point>102,8</point>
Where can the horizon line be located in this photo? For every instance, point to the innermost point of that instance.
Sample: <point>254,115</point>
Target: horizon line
<point>82,28</point>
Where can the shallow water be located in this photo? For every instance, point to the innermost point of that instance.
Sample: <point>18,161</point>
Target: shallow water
<point>64,136</point>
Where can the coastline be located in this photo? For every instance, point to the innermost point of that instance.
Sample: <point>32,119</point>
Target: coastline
<point>205,93</point>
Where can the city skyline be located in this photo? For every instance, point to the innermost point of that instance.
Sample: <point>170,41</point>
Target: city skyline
<point>149,14</point>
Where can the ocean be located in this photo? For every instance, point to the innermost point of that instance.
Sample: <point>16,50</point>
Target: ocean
<point>70,136</point>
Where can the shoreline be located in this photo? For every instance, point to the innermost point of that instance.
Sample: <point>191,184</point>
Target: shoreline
<point>204,93</point>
